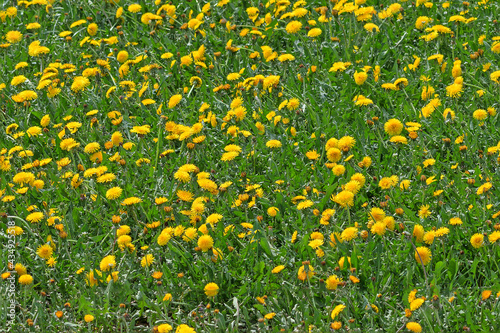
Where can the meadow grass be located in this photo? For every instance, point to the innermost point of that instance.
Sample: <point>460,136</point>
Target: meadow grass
<point>245,166</point>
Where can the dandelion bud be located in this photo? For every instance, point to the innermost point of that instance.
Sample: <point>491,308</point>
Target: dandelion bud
<point>364,234</point>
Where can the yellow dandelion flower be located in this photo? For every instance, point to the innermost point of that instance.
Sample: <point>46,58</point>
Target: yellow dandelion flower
<point>211,289</point>
<point>477,240</point>
<point>147,260</point>
<point>293,27</point>
<point>423,255</point>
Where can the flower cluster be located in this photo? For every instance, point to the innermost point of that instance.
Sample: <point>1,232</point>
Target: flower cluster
<point>178,165</point>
